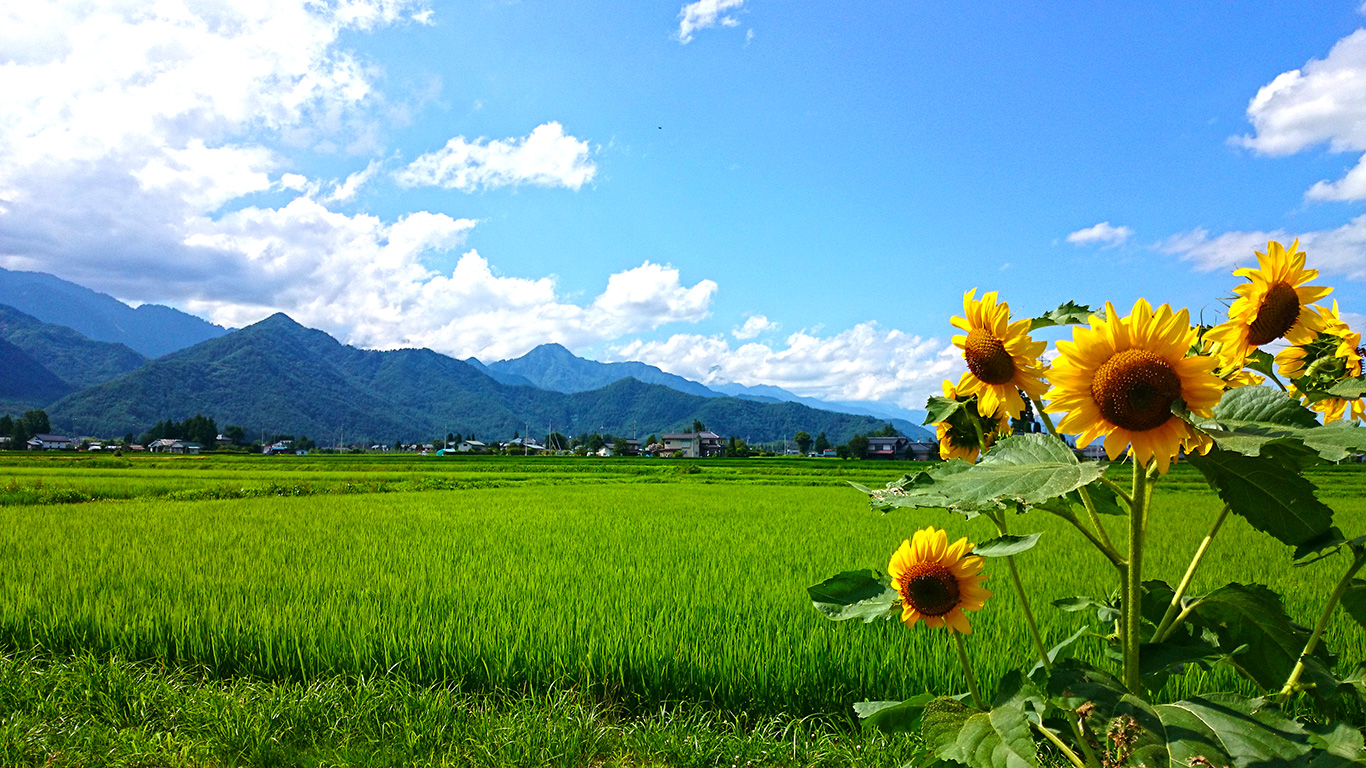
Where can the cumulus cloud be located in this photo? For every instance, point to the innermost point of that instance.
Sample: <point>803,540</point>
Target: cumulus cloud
<point>1341,250</point>
<point>132,134</point>
<point>546,158</point>
<point>1323,102</point>
<point>753,326</point>
<point>1101,234</point>
<point>705,14</point>
<point>346,191</point>
<point>862,363</point>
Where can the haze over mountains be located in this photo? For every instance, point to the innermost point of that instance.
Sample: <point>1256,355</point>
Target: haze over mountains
<point>278,376</point>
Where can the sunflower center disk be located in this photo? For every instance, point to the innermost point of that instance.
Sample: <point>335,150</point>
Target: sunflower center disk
<point>930,589</point>
<point>1135,390</point>
<point>987,357</point>
<point>1277,315</point>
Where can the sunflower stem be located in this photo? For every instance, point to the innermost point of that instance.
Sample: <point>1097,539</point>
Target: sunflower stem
<point>1133,606</point>
<point>1000,521</point>
<point>1101,537</point>
<point>1272,376</point>
<point>967,668</point>
<point>1118,489</point>
<point>1168,623</point>
<point>1292,682</point>
<point>981,438</point>
<point>1071,756</point>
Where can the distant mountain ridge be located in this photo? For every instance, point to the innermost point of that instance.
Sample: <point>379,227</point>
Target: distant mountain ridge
<point>24,382</point>
<point>151,329</point>
<point>279,376</point>
<point>551,366</point>
<point>66,353</point>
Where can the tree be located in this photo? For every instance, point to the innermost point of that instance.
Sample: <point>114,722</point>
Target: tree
<point>19,435</point>
<point>842,451</point>
<point>234,433</point>
<point>595,443</point>
<point>36,422</point>
<point>698,426</point>
<point>803,442</point>
<point>6,425</point>
<point>887,431</point>
<point>458,439</point>
<point>652,439</point>
<point>450,439</point>
<point>304,444</point>
<point>858,447</point>
<point>822,443</point>
<point>556,441</point>
<point>620,447</point>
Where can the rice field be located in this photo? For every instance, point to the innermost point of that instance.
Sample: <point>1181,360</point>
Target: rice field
<point>638,581</point>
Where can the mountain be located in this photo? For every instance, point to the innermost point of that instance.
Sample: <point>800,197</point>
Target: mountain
<point>24,382</point>
<point>278,376</point>
<point>551,366</point>
<point>907,420</point>
<point>510,379</point>
<point>75,359</point>
<point>151,329</point>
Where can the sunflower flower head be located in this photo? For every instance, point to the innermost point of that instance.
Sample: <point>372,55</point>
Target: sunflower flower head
<point>1273,304</point>
<point>1333,356</point>
<point>965,434</point>
<point>1119,377</point>
<point>1001,358</point>
<point>937,581</point>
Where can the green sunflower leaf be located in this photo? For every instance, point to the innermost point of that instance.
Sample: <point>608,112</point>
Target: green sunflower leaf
<point>1255,632</point>
<point>1265,405</point>
<point>1070,313</point>
<point>978,739</point>
<point>893,716</point>
<point>861,595</point>
<point>1350,389</point>
<point>1261,362</point>
<point>1225,730</point>
<point>1025,469</point>
<point>1004,546</point>
<point>1249,418</point>
<point>939,409</point>
<point>1268,490</point>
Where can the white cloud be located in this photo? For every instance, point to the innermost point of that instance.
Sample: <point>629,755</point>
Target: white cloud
<point>1333,251</point>
<point>546,158</point>
<point>754,325</point>
<point>346,191</point>
<point>1324,102</point>
<point>705,14</point>
<point>862,363</point>
<point>1101,234</point>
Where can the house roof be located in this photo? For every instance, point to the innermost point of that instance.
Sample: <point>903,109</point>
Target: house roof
<point>53,438</point>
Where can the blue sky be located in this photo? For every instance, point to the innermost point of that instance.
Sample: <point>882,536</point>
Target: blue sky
<point>734,190</point>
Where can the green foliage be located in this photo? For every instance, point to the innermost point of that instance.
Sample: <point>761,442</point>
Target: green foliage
<point>1025,469</point>
<point>803,441</point>
<point>1070,313</point>
<point>858,447</point>
<point>854,595</point>
<point>998,737</point>
<point>1268,490</point>
<point>1249,418</point>
<point>1006,545</point>
<point>1254,631</point>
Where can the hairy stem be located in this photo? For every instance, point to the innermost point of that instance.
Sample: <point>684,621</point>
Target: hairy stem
<point>1168,619</point>
<point>1000,521</point>
<point>1071,756</point>
<point>1133,607</point>
<point>1293,681</point>
<point>1101,537</point>
<point>967,668</point>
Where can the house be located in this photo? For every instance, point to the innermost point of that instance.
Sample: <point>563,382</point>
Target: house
<point>471,446</point>
<point>694,444</point>
<point>887,447</point>
<point>1095,451</point>
<point>280,448</point>
<point>922,450</point>
<point>51,443</point>
<point>170,445</point>
<point>632,448</point>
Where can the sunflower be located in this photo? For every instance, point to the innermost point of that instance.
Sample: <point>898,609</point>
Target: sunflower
<point>937,581</point>
<point>1001,357</point>
<point>958,434</point>
<point>1119,377</point>
<point>1336,345</point>
<point>1271,305</point>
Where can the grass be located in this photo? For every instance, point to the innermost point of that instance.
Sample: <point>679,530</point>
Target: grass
<point>86,711</point>
<point>646,600</point>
